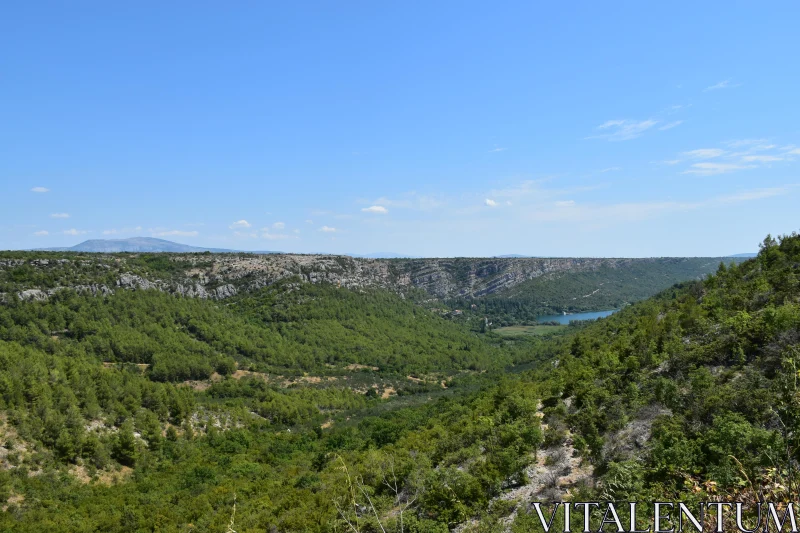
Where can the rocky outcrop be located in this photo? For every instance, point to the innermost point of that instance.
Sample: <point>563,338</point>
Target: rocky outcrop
<point>218,276</point>
<point>33,295</point>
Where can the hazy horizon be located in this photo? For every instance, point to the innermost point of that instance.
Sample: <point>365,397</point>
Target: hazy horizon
<point>375,255</point>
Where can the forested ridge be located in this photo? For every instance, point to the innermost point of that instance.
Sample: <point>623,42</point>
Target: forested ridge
<point>144,411</point>
<point>510,290</point>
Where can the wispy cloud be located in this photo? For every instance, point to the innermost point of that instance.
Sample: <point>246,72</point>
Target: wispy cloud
<point>240,224</point>
<point>739,143</point>
<point>761,158</point>
<point>498,150</point>
<point>671,125</point>
<point>40,189</point>
<point>41,233</point>
<point>636,211</point>
<point>704,153</point>
<point>376,209</point>
<point>754,194</point>
<point>611,169</point>
<point>623,130</point>
<point>274,236</point>
<point>725,84</point>
<point>278,225</point>
<point>327,229</point>
<point>490,203</point>
<point>742,154</point>
<point>137,229</point>
<point>59,215</point>
<point>74,232</point>
<point>174,233</point>
<point>412,200</point>
<point>710,169</point>
<point>565,203</point>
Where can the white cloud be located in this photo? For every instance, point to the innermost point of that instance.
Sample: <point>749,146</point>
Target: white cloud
<point>721,85</point>
<point>671,161</point>
<point>126,230</point>
<point>755,194</point>
<point>175,233</point>
<point>761,158</point>
<point>498,150</point>
<point>611,124</point>
<point>671,125</point>
<point>565,203</point>
<point>490,203</point>
<point>412,200</point>
<point>309,221</point>
<point>327,229</point>
<point>41,233</point>
<point>240,224</point>
<point>278,225</point>
<point>709,169</point>
<point>704,153</point>
<point>274,236</point>
<point>611,169</point>
<point>59,215</point>
<point>40,189</point>
<point>377,209</point>
<point>623,130</point>
<point>796,151</point>
<point>74,231</point>
<point>297,231</point>
<point>634,211</point>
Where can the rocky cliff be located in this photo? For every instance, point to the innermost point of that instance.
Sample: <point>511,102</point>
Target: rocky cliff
<point>35,276</point>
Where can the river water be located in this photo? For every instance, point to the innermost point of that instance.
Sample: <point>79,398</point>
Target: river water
<point>565,319</point>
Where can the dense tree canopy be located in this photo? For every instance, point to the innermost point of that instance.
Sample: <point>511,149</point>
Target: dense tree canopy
<point>142,411</point>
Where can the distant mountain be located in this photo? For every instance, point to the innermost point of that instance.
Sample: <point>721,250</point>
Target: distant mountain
<point>138,244</point>
<point>748,254</point>
<point>384,255</point>
<point>510,256</point>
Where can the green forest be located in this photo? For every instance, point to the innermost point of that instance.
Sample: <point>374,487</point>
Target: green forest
<point>309,407</point>
<point>575,292</point>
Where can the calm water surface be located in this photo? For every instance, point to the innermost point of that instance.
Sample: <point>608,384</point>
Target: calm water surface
<point>565,319</point>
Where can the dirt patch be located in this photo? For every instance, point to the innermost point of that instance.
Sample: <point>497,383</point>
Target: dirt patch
<point>102,477</point>
<point>356,366</point>
<point>13,450</point>
<point>388,391</point>
<point>141,366</point>
<point>239,374</point>
<point>556,471</point>
<point>314,380</point>
<point>327,424</point>
<point>14,499</point>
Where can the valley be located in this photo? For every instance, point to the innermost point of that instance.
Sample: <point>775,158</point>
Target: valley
<point>136,384</point>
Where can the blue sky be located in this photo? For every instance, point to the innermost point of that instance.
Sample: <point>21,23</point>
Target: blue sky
<point>432,129</point>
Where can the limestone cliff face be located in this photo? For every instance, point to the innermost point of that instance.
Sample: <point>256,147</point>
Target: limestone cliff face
<point>220,276</point>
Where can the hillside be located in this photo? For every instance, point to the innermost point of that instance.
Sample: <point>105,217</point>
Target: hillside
<point>536,283</point>
<point>605,287</point>
<point>687,396</point>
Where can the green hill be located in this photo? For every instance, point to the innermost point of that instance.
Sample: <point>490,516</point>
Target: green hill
<point>690,395</point>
